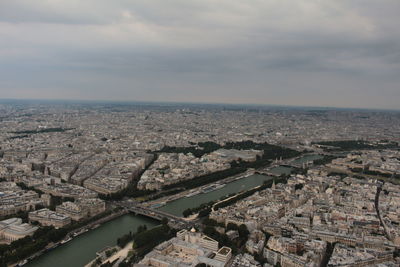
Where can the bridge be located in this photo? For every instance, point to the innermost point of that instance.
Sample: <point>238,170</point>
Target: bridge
<point>298,165</point>
<point>284,163</point>
<point>291,162</point>
<point>267,173</point>
<point>173,221</point>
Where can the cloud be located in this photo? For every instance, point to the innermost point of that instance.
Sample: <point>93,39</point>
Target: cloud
<point>261,50</point>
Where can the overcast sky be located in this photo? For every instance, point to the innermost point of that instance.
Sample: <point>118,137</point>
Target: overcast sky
<point>343,53</point>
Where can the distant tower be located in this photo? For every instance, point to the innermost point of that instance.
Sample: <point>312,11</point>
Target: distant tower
<point>273,185</point>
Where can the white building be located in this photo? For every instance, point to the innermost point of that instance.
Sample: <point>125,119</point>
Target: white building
<point>13,229</point>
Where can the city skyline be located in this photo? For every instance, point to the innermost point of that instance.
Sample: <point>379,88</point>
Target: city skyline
<point>132,103</point>
<point>308,53</point>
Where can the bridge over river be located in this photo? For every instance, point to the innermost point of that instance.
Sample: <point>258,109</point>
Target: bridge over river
<point>173,221</point>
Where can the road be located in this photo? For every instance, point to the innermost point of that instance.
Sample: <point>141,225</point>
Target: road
<point>174,221</point>
<point>385,228</point>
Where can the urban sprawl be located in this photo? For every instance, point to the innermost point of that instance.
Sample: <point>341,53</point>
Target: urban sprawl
<point>66,168</point>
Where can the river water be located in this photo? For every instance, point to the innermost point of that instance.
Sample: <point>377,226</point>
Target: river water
<point>177,207</point>
<point>306,159</point>
<point>82,249</point>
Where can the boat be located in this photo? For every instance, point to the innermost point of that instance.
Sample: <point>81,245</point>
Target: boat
<point>95,226</point>
<point>66,240</point>
<point>158,205</point>
<point>22,263</point>
<point>212,188</point>
<point>53,247</point>
<point>219,186</point>
<point>193,193</point>
<point>80,232</point>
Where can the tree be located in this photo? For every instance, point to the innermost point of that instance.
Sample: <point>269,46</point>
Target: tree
<point>153,235</point>
<point>298,186</point>
<point>204,212</point>
<point>210,222</point>
<point>187,212</point>
<point>164,221</point>
<point>141,228</point>
<point>243,231</point>
<point>108,253</point>
<point>232,226</point>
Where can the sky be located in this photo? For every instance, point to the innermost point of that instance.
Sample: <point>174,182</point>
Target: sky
<point>342,53</point>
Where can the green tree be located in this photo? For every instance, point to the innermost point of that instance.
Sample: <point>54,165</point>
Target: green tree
<point>164,221</point>
<point>232,226</point>
<point>243,231</point>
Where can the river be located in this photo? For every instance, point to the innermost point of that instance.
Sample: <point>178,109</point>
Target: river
<point>306,159</point>
<point>176,207</point>
<point>82,249</point>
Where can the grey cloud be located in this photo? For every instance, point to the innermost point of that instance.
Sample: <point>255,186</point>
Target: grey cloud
<point>276,52</point>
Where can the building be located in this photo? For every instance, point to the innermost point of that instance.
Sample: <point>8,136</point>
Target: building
<point>13,229</point>
<point>187,249</point>
<point>82,208</point>
<point>223,254</point>
<point>48,217</point>
<point>106,185</point>
<point>94,206</point>
<point>71,209</point>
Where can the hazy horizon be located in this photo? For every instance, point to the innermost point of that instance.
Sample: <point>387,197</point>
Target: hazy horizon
<point>341,54</point>
<point>178,103</point>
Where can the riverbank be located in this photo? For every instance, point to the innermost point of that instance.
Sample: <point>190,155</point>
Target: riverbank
<point>70,236</point>
<point>167,199</point>
<point>178,206</point>
<point>82,249</point>
<point>159,202</point>
<point>119,255</point>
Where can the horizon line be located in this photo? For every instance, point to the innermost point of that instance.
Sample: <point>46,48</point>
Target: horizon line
<point>193,103</point>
